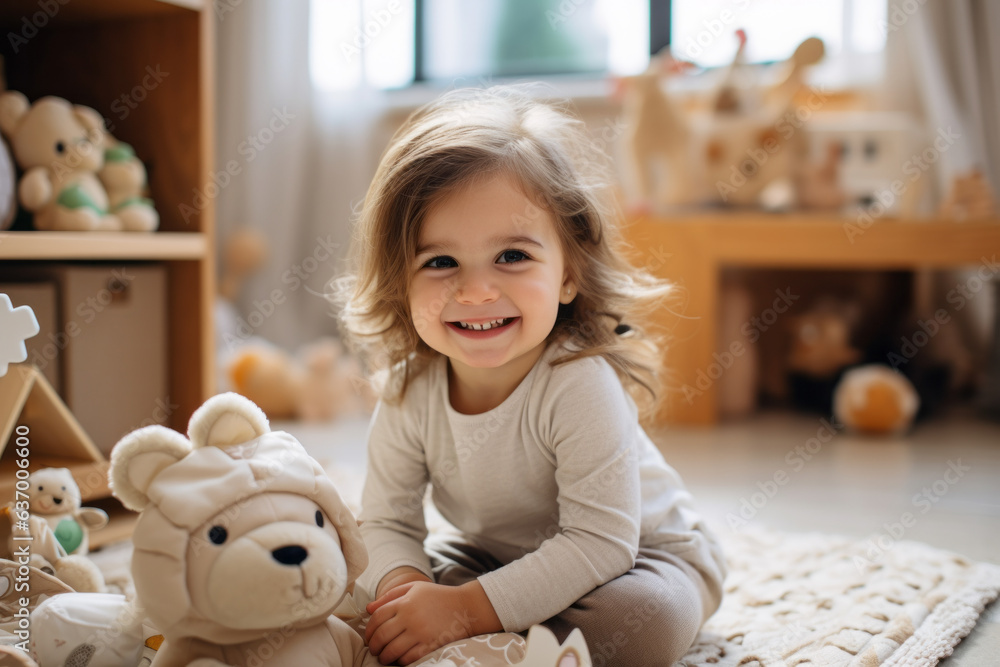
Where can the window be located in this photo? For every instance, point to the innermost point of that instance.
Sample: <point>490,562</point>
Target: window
<point>394,43</point>
<point>702,31</point>
<point>499,38</point>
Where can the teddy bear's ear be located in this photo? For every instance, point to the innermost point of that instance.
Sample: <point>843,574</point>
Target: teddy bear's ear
<point>227,419</point>
<point>139,457</point>
<point>13,106</point>
<point>89,118</point>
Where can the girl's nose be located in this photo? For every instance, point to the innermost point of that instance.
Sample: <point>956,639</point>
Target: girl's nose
<point>475,287</point>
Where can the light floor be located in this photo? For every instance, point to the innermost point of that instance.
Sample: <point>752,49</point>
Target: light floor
<point>943,479</point>
<point>784,471</point>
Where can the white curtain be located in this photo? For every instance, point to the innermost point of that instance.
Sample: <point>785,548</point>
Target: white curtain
<point>943,60</point>
<point>943,57</point>
<point>302,160</point>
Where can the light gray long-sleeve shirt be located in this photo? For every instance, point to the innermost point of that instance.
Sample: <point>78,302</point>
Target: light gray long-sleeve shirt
<point>559,482</point>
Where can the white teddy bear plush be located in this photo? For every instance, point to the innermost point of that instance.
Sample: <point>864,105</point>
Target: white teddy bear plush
<point>55,497</point>
<point>243,548</point>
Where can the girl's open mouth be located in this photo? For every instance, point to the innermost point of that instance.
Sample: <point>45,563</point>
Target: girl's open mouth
<point>483,329</point>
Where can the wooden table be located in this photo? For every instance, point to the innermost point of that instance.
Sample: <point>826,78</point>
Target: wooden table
<point>692,249</point>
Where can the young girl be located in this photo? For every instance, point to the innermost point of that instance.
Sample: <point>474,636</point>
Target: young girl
<point>491,289</point>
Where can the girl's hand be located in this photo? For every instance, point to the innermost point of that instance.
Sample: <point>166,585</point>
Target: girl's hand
<point>413,619</point>
<point>398,577</point>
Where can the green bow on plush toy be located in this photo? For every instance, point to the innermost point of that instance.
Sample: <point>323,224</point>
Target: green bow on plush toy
<point>77,177</point>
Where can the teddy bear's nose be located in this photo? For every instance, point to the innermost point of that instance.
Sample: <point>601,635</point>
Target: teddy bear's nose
<point>292,555</point>
<point>57,501</point>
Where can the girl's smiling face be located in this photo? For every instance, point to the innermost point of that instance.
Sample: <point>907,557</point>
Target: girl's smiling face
<point>488,278</point>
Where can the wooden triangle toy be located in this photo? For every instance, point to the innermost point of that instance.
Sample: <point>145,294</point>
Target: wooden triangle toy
<point>32,414</point>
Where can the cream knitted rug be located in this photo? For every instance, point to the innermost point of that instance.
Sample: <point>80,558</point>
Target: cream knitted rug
<point>825,601</point>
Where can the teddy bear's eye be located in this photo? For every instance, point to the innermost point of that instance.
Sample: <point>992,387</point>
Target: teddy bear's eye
<point>40,487</point>
<point>60,147</point>
<point>64,488</point>
<point>319,518</point>
<point>217,534</point>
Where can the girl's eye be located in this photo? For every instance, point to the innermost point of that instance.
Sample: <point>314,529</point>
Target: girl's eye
<point>511,256</point>
<point>443,262</point>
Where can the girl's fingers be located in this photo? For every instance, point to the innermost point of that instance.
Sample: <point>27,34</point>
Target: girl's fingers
<point>388,596</point>
<point>382,634</point>
<point>397,648</point>
<point>414,654</point>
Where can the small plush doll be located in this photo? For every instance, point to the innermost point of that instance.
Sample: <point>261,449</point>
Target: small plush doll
<point>25,536</point>
<point>56,498</point>
<point>124,179</point>
<point>243,548</point>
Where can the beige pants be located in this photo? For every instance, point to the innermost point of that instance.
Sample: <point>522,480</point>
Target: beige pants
<point>648,616</point>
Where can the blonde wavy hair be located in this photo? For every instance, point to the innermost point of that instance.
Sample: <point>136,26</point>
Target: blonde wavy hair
<point>471,134</point>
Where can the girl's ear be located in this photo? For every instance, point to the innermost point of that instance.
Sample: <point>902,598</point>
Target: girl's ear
<point>568,291</point>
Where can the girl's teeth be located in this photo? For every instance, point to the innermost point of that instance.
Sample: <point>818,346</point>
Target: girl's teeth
<point>484,326</point>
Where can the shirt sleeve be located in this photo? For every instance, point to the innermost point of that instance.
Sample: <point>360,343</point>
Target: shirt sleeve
<point>592,434</point>
<point>392,507</point>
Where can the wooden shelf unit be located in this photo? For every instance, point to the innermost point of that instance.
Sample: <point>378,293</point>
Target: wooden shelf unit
<point>148,66</point>
<point>691,250</point>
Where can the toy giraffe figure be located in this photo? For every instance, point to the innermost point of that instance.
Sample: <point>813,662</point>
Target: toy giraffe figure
<point>727,98</point>
<point>658,136</point>
<point>809,52</point>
